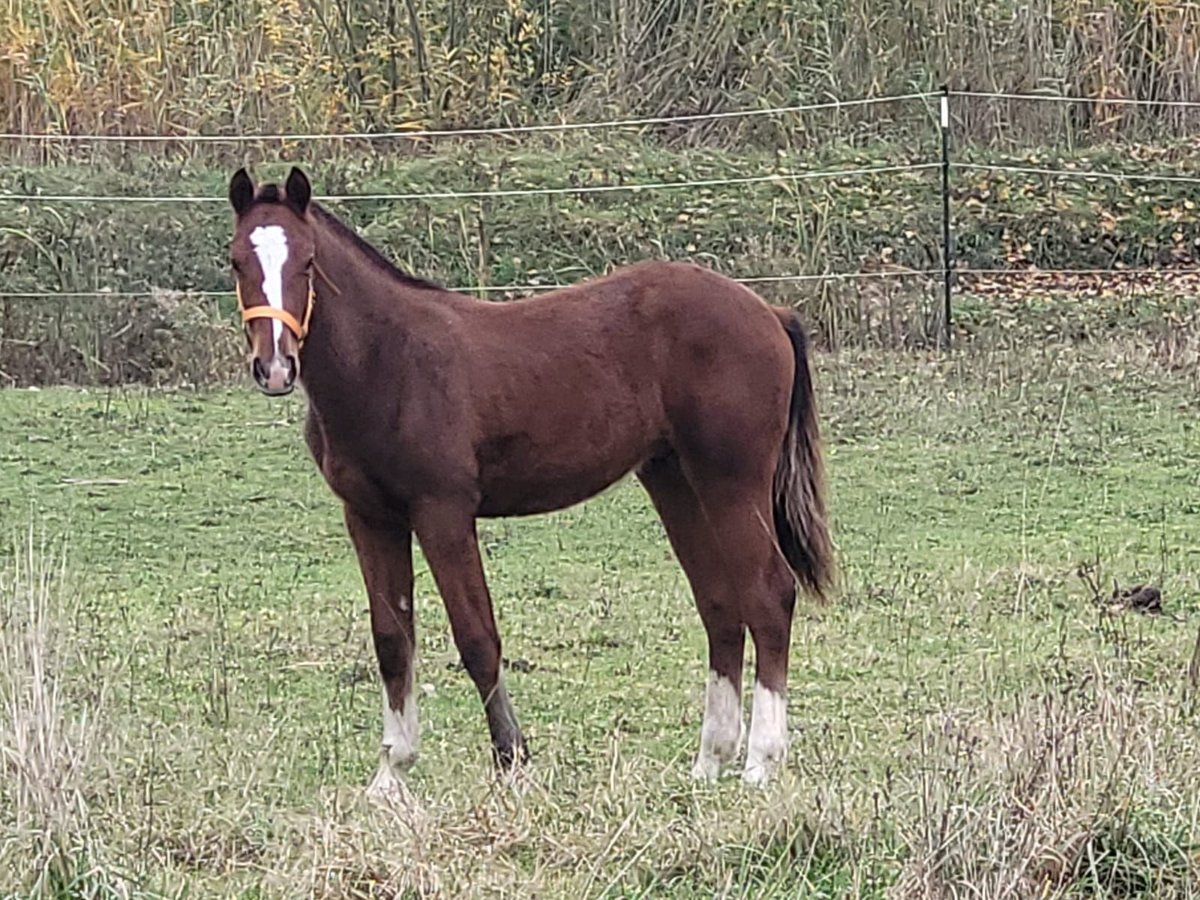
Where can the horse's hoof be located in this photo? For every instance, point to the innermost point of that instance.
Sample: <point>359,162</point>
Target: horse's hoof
<point>388,791</point>
<point>519,779</point>
<point>706,768</point>
<point>510,756</point>
<point>756,777</point>
<point>759,774</point>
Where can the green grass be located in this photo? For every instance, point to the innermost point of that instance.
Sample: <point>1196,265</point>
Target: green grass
<point>963,689</point>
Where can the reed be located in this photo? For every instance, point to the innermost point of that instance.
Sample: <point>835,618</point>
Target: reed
<point>215,66</point>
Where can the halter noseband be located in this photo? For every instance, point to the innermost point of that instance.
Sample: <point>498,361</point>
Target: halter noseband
<point>294,325</point>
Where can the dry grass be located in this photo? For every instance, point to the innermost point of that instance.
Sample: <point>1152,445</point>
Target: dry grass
<point>165,337</point>
<point>1081,790</point>
<point>123,66</point>
<point>52,739</point>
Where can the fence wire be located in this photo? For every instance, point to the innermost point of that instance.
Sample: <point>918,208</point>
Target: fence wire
<point>1065,98</point>
<point>500,131</point>
<point>1077,174</point>
<point>632,187</point>
<point>1118,273</point>
<point>101,294</point>
<point>551,127</point>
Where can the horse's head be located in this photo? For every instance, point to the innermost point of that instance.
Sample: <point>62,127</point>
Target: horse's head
<point>272,258</point>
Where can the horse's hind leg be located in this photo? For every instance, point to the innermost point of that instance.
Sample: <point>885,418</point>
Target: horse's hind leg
<point>766,592</point>
<point>768,612</point>
<point>699,553</point>
<point>748,582</point>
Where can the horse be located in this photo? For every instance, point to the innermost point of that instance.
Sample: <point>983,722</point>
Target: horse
<point>429,409</point>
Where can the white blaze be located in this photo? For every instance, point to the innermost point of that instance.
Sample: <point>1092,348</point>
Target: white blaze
<point>271,248</point>
<point>768,735</point>
<point>721,731</point>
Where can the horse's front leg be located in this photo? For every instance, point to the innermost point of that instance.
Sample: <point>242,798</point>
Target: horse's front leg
<point>385,556</point>
<point>446,532</point>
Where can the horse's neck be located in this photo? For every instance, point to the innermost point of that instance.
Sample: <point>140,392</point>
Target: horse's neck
<point>354,298</point>
<point>343,294</point>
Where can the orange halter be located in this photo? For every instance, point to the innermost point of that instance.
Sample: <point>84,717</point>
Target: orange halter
<point>263,311</point>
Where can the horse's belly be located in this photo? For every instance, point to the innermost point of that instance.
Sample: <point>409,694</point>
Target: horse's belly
<point>527,484</point>
<point>524,499</point>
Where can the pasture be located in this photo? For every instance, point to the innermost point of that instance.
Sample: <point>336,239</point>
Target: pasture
<point>966,718</point>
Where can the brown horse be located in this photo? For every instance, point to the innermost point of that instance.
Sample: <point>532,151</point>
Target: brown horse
<point>429,409</point>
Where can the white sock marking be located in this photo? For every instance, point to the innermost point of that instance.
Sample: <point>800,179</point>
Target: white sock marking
<point>271,248</point>
<point>768,735</point>
<point>721,731</point>
<point>398,749</point>
<point>401,733</point>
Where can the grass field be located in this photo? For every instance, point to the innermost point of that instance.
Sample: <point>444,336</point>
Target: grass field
<point>966,720</point>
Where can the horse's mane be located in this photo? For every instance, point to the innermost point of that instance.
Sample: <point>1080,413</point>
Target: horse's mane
<point>348,234</point>
<point>269,193</point>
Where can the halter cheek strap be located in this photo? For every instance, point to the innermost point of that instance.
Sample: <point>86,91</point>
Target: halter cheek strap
<point>262,311</point>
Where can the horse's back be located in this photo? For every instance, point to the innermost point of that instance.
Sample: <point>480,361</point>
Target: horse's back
<point>646,310</point>
<point>643,321</point>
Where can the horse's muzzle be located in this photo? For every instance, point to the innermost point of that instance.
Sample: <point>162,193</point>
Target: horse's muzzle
<point>277,378</point>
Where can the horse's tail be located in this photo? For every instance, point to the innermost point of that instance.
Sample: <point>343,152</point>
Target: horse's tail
<point>800,478</point>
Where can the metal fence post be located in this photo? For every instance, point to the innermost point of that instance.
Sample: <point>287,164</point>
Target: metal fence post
<point>947,238</point>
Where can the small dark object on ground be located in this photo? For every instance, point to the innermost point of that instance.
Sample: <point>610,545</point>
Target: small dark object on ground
<point>1142,598</point>
<point>513,665</point>
<point>356,674</point>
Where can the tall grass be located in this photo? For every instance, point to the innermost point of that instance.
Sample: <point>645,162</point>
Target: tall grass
<point>52,737</point>
<point>1080,792</point>
<point>137,67</point>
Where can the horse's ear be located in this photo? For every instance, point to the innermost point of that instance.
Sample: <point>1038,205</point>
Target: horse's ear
<point>241,191</point>
<point>298,190</point>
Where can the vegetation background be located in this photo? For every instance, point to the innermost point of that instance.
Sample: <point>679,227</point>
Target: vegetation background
<point>212,67</point>
<point>217,66</point>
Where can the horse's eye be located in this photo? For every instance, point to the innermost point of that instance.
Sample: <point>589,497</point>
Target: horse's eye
<point>236,267</point>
